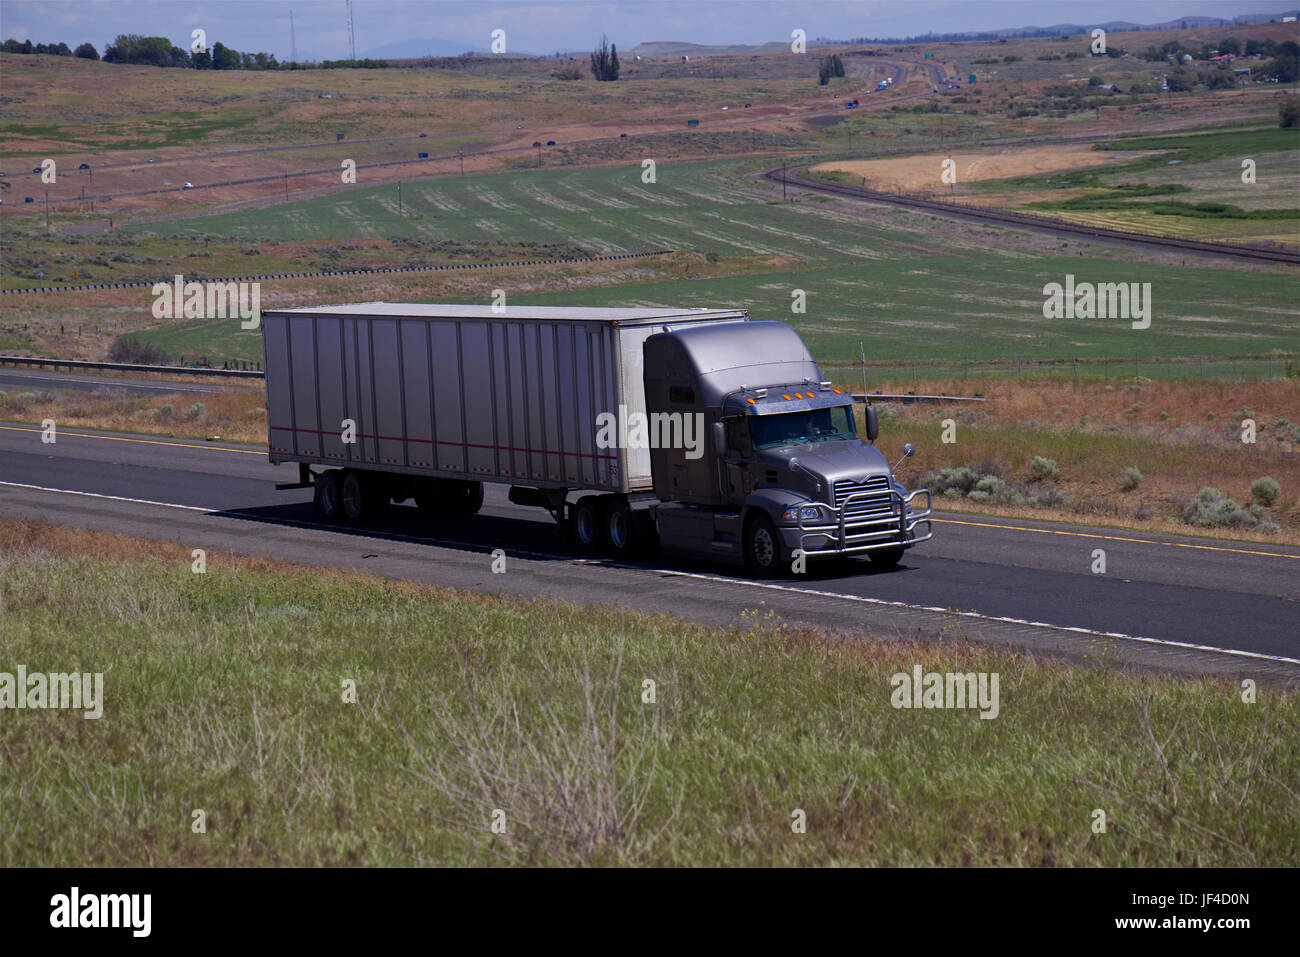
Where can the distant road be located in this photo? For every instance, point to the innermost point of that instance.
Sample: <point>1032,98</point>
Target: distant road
<point>1167,602</point>
<point>36,380</point>
<point>794,177</point>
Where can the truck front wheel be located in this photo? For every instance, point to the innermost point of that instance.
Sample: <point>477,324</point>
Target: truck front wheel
<point>763,548</point>
<point>886,557</point>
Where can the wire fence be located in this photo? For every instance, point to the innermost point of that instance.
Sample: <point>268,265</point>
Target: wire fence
<point>1232,369</point>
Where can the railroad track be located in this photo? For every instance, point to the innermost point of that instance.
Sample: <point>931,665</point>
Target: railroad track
<point>794,176</point>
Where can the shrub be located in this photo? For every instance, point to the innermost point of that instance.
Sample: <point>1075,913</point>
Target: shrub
<point>196,411</point>
<point>1212,510</point>
<point>1131,478</point>
<point>960,479</point>
<point>1265,490</point>
<point>1052,497</point>
<point>130,349</point>
<point>1043,468</point>
<point>165,413</point>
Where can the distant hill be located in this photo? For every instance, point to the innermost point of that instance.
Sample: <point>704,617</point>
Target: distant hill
<point>408,49</point>
<point>1070,29</point>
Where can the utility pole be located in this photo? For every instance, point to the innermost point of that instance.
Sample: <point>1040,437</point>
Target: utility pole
<point>539,156</point>
<point>783,182</point>
<point>462,162</point>
<point>47,209</point>
<point>352,39</point>
<point>285,174</point>
<point>293,40</point>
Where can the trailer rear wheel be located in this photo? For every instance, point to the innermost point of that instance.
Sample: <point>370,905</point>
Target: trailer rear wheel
<point>363,496</point>
<point>327,498</point>
<point>620,529</point>
<point>587,524</point>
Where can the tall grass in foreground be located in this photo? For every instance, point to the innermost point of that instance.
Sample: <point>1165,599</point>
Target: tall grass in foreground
<point>225,692</point>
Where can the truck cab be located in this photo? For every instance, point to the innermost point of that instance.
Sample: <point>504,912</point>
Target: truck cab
<point>784,473</point>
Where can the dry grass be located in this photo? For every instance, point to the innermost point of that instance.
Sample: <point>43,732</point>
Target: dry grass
<point>233,415</point>
<point>222,692</point>
<point>1182,436</point>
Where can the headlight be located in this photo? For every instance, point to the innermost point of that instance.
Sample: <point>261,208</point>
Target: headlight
<point>809,513</point>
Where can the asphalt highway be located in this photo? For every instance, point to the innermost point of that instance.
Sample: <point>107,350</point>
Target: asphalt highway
<point>1166,602</point>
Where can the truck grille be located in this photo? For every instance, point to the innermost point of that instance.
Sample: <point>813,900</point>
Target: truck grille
<point>879,505</point>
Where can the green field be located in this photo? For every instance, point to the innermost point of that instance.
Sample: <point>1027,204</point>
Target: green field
<point>224,692</point>
<point>906,285</point>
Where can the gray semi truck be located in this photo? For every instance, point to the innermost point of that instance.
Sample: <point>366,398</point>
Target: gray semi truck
<point>695,431</point>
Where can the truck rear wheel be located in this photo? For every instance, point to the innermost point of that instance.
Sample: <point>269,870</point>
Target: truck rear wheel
<point>326,497</point>
<point>587,524</point>
<point>763,555</point>
<point>620,529</point>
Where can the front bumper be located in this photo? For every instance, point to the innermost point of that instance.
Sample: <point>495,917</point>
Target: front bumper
<point>846,536</point>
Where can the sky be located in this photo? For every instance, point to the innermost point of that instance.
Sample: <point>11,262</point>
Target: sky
<point>320,27</point>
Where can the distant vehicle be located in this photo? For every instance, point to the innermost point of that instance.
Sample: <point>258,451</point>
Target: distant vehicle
<point>726,107</point>
<point>550,142</point>
<point>36,169</point>
<point>84,166</point>
<point>424,136</point>
<point>520,126</point>
<point>692,122</point>
<point>29,200</point>
<point>188,185</point>
<point>153,161</point>
<point>746,106</point>
<point>423,156</point>
<point>622,136</point>
<point>537,142</point>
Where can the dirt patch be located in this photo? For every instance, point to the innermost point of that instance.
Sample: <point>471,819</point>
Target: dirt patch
<point>924,171</point>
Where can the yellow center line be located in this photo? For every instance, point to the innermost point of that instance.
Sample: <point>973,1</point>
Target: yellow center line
<point>1115,538</point>
<point>114,438</point>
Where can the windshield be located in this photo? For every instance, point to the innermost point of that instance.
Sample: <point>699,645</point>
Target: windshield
<point>795,428</point>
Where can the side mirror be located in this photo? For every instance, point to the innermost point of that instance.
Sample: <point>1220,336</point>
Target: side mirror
<point>873,425</point>
<point>909,450</point>
<point>720,438</point>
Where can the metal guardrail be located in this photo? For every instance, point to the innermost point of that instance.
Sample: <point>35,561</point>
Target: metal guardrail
<point>371,271</point>
<point>42,362</point>
<point>913,397</point>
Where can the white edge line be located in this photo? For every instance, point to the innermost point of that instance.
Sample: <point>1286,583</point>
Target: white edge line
<point>729,581</point>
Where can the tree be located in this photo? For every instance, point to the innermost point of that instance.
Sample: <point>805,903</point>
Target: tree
<point>1220,78</point>
<point>1182,80</point>
<point>1230,45</point>
<point>1289,113</point>
<point>87,51</point>
<point>604,61</point>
